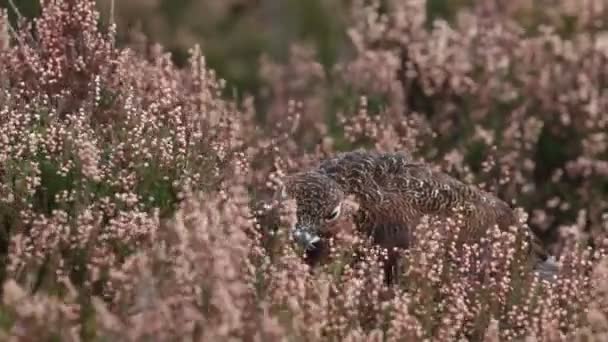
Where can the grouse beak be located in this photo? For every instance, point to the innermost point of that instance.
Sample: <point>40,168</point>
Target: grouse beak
<point>305,237</point>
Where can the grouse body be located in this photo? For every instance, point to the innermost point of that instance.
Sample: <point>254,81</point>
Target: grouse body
<point>393,193</point>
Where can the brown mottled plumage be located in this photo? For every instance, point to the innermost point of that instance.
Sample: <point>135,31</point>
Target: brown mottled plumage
<point>393,193</point>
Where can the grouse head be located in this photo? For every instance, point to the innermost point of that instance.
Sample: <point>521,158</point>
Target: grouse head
<point>322,209</point>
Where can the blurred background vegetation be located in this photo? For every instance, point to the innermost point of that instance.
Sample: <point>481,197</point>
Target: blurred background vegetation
<point>234,34</point>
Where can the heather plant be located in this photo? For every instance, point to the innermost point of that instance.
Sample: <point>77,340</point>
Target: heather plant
<point>98,146</point>
<point>137,201</point>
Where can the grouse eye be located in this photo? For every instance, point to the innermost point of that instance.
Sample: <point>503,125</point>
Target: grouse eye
<point>334,214</point>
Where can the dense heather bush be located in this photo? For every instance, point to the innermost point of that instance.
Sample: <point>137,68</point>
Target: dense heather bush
<point>136,201</point>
